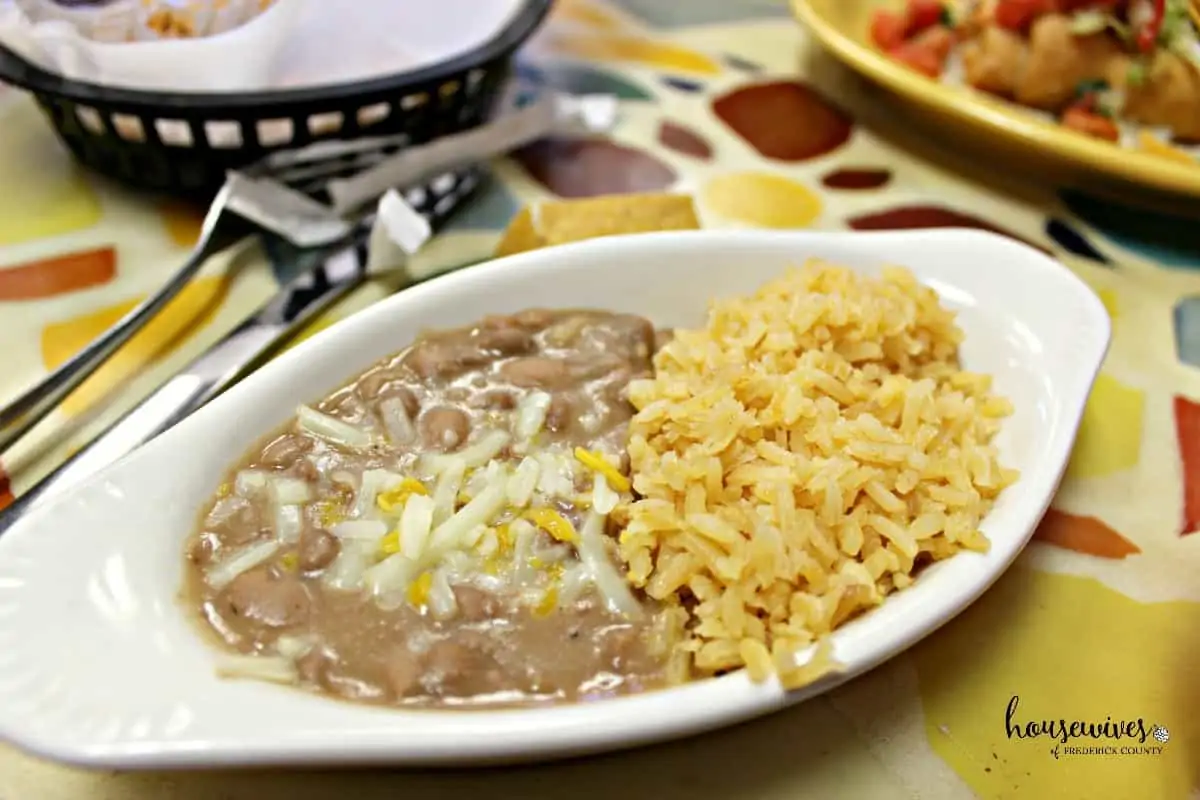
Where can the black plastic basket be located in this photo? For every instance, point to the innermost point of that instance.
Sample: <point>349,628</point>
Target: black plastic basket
<point>184,143</point>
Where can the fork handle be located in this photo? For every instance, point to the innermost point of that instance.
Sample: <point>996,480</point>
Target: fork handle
<point>28,409</point>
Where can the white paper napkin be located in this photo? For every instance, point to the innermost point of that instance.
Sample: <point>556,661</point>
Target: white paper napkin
<point>293,43</point>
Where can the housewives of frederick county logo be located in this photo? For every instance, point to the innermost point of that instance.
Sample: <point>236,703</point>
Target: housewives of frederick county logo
<point>1121,737</point>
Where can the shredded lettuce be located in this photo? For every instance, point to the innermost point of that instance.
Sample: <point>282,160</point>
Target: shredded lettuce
<point>249,482</point>
<point>289,491</point>
<point>531,415</point>
<point>604,499</point>
<point>476,454</point>
<point>604,575</point>
<point>331,429</point>
<point>362,530</point>
<point>1092,20</point>
<point>289,523</point>
<point>244,560</point>
<point>480,511</point>
<point>523,482</point>
<point>396,421</point>
<point>415,525</point>
<point>274,669</point>
<point>442,602</point>
<point>347,570</point>
<point>446,492</point>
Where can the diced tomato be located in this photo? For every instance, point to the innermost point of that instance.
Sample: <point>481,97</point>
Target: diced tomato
<point>1147,37</point>
<point>939,40</point>
<point>888,29</point>
<point>1078,118</point>
<point>1018,15</point>
<point>924,14</point>
<point>919,56</point>
<point>1071,6</point>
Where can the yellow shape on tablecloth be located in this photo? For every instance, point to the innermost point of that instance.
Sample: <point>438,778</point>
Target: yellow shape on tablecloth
<point>582,12</point>
<point>312,329</point>
<point>1110,437</point>
<point>630,49</point>
<point>193,308</point>
<point>182,222</point>
<point>47,193</point>
<point>762,200</point>
<point>1149,144</point>
<point>1109,298</point>
<point>1070,649</point>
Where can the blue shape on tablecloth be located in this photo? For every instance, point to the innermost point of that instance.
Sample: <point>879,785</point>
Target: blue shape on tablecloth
<point>689,13</point>
<point>577,79</point>
<point>1168,239</point>
<point>527,72</point>
<point>1187,331</point>
<point>288,261</point>
<point>491,209</point>
<point>683,84</point>
<point>1071,240</point>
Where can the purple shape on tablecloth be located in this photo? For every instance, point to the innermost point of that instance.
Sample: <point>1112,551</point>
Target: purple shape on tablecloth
<point>590,167</point>
<point>681,139</point>
<point>737,62</point>
<point>683,84</point>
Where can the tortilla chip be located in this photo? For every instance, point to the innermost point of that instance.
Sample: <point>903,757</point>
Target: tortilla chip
<point>520,235</point>
<point>559,222</point>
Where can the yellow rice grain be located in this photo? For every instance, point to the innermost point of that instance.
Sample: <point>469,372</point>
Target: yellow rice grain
<point>800,457</point>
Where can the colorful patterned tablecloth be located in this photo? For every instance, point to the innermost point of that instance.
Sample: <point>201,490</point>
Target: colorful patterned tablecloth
<point>1100,618</point>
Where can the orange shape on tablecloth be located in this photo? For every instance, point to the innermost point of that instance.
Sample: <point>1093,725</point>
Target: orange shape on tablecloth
<point>1086,535</point>
<point>582,12</point>
<point>192,309</point>
<point>6,495</point>
<point>629,49</point>
<point>1110,436</point>
<point>1069,648</point>
<point>1187,431</point>
<point>762,200</point>
<point>784,120</point>
<point>48,277</point>
<point>183,222</point>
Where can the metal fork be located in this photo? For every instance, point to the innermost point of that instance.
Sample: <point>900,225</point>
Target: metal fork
<point>244,202</point>
<point>281,194</point>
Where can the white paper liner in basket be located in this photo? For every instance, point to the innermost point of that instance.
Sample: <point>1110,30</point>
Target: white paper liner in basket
<point>293,43</point>
<point>147,20</point>
<point>112,45</point>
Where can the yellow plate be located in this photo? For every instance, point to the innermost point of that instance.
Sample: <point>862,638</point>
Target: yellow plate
<point>843,25</point>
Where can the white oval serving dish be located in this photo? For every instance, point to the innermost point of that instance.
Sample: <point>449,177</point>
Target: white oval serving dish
<point>100,665</point>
